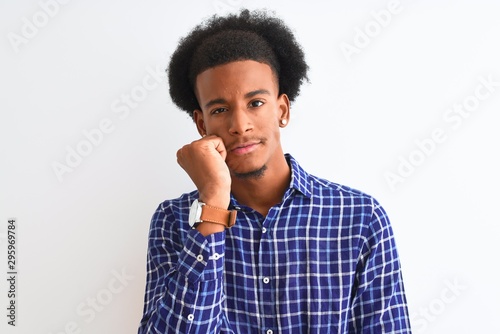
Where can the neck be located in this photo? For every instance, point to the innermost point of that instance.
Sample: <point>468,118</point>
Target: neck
<point>265,190</point>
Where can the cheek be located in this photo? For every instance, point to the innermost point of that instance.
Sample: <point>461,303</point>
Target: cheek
<point>218,129</point>
<point>273,131</point>
<point>277,134</point>
<point>208,125</point>
<point>212,128</point>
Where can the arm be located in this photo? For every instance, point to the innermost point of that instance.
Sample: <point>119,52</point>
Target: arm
<point>184,281</point>
<point>184,291</point>
<point>379,304</point>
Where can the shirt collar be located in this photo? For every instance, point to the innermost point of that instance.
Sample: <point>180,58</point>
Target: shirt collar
<point>300,178</point>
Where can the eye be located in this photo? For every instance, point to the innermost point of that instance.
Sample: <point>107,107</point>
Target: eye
<point>256,103</point>
<point>218,111</point>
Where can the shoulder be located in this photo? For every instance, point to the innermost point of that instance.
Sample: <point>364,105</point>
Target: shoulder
<point>351,201</point>
<point>324,185</point>
<point>324,188</point>
<point>358,207</point>
<point>324,192</point>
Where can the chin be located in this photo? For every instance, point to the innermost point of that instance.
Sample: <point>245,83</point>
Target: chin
<point>251,173</point>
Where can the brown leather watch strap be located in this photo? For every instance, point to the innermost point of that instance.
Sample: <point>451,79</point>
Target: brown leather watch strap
<point>219,216</point>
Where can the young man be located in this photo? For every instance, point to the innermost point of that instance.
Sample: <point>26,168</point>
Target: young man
<point>261,246</point>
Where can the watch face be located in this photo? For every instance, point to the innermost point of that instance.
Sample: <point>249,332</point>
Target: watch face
<point>194,213</point>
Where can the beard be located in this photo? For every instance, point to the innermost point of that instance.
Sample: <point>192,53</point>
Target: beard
<point>255,174</point>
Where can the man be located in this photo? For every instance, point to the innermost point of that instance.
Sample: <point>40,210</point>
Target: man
<point>261,246</point>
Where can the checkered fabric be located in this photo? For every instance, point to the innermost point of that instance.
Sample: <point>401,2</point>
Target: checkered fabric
<point>324,260</point>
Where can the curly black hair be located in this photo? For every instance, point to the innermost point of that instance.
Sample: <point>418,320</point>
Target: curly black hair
<point>219,40</point>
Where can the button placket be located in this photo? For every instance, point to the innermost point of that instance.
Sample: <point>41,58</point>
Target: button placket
<point>216,256</point>
<point>266,273</point>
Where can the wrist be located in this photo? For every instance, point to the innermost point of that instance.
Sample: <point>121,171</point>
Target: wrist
<point>210,219</point>
<point>217,201</point>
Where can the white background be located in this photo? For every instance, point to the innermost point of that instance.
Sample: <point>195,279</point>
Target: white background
<point>358,119</point>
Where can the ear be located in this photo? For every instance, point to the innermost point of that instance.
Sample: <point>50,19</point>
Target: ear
<point>284,110</point>
<point>200,123</point>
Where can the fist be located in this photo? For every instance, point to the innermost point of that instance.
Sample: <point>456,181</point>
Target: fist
<point>204,162</point>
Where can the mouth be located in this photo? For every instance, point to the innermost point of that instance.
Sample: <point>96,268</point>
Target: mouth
<point>244,148</point>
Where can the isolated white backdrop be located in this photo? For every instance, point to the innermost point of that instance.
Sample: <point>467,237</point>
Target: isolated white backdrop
<point>382,87</point>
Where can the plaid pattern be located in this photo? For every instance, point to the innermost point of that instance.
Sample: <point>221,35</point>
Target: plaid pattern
<point>322,261</point>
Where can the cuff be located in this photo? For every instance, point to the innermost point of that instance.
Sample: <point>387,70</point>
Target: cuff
<point>202,257</point>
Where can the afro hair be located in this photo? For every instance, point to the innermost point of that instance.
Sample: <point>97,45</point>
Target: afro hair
<point>245,36</point>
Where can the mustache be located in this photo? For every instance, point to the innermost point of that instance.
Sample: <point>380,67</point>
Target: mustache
<point>243,142</point>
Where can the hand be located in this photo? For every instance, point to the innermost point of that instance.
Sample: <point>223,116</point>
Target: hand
<point>204,162</point>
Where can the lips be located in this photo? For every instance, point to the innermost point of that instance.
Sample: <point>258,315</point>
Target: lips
<point>244,148</point>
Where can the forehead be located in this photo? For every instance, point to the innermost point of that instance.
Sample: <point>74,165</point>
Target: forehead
<point>233,78</point>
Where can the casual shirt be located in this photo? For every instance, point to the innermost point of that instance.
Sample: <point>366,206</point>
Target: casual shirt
<point>323,260</point>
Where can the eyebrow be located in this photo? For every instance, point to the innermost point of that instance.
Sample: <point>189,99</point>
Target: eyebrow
<point>257,92</point>
<point>247,96</point>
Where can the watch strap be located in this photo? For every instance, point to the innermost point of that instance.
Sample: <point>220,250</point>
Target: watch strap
<point>219,216</point>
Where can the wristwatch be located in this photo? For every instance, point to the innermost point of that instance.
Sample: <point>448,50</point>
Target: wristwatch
<point>201,212</point>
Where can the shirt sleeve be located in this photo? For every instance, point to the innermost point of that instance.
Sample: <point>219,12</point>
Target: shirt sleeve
<point>379,304</point>
<point>184,291</point>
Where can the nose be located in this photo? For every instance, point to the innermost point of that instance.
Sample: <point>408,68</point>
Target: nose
<point>240,122</point>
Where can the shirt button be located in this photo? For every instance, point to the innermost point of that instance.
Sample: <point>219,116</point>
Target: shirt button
<point>199,258</point>
<point>269,331</point>
<point>191,318</point>
<point>216,256</point>
<point>264,230</point>
<point>266,280</point>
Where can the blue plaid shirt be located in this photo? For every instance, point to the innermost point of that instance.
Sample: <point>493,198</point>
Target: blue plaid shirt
<point>323,260</point>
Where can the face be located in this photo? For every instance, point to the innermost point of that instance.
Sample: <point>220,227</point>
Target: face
<point>240,103</point>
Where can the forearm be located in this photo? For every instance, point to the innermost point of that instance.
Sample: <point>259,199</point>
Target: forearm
<point>188,299</point>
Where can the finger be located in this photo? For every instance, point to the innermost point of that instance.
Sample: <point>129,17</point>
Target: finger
<point>219,146</point>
